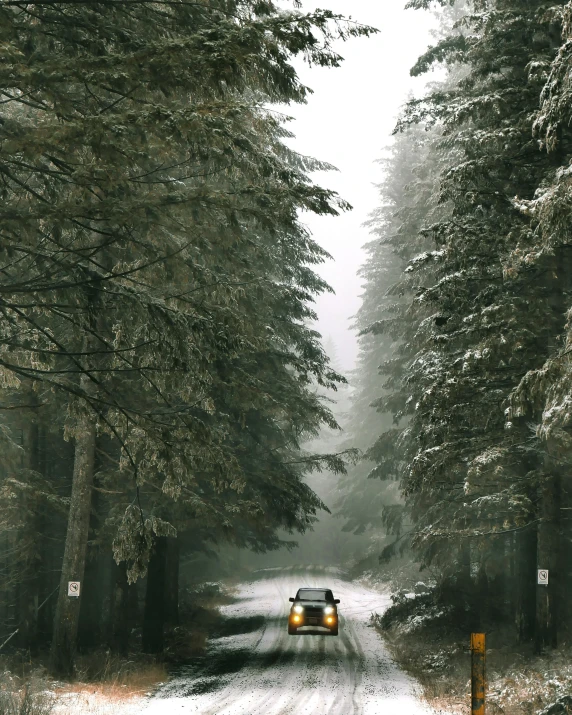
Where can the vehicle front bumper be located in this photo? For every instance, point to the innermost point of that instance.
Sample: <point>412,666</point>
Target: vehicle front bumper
<point>299,620</point>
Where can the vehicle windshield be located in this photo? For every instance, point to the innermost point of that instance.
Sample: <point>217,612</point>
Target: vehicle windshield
<point>314,594</point>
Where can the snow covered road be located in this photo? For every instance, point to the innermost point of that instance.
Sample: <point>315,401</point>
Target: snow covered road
<point>260,670</point>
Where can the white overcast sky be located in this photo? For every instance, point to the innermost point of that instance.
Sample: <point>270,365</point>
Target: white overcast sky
<point>347,122</point>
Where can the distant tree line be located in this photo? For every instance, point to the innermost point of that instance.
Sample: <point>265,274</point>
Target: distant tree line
<point>466,320</point>
<point>157,371</point>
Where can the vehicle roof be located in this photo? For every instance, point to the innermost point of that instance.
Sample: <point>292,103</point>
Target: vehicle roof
<point>314,588</point>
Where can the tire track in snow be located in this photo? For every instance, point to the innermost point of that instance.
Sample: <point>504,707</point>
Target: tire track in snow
<point>272,673</point>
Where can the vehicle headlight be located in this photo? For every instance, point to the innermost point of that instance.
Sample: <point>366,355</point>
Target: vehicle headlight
<point>298,608</point>
<point>328,610</point>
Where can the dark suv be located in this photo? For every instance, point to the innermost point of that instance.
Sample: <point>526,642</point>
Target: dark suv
<point>314,607</point>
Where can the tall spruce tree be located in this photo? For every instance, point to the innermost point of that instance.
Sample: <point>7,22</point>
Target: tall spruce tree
<point>149,213</point>
<point>471,334</point>
<point>543,394</point>
<point>471,483</point>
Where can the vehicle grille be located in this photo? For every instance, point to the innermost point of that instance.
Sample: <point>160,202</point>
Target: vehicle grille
<point>313,612</point>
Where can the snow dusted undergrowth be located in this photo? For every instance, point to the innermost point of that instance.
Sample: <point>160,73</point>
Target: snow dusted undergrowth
<point>260,670</point>
<point>93,703</point>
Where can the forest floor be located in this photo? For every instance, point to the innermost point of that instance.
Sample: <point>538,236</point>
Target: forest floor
<point>427,643</point>
<point>249,665</point>
<point>121,690</point>
<point>119,693</point>
<point>109,684</point>
<point>210,660</point>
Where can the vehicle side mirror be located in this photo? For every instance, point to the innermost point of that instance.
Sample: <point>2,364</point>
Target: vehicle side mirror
<point>291,599</point>
<point>336,600</point>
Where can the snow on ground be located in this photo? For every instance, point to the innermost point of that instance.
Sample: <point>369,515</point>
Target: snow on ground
<point>261,670</point>
<point>86,703</point>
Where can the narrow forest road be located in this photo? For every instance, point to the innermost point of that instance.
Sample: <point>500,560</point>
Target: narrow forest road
<point>258,669</point>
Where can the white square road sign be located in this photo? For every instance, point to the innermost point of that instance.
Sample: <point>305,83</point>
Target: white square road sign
<point>543,577</point>
<point>73,589</point>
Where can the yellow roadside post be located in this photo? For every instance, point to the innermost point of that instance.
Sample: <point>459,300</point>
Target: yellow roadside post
<point>477,674</point>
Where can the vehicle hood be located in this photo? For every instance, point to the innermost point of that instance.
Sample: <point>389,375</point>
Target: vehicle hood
<point>313,604</point>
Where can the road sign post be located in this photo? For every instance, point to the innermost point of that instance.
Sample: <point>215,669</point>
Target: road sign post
<point>477,674</point>
<point>73,589</point>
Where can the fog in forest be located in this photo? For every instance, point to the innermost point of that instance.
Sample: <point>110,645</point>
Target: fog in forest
<point>363,108</point>
<point>348,122</point>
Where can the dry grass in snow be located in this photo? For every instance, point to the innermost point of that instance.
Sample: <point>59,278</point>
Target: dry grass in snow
<point>105,686</point>
<point>117,692</point>
<point>106,683</point>
<point>427,642</point>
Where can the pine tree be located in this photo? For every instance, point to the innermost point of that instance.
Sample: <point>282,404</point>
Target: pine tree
<point>542,394</point>
<point>155,271</point>
<point>470,481</point>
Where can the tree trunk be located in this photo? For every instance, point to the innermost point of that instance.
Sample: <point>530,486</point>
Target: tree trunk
<point>503,580</point>
<point>27,603</point>
<point>154,614</point>
<point>172,583</point>
<point>525,582</point>
<point>548,557</point>
<point>123,609</point>
<point>565,567</point>
<point>66,621</point>
<point>512,584</point>
<point>93,597</point>
<point>482,603</point>
<point>52,535</point>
